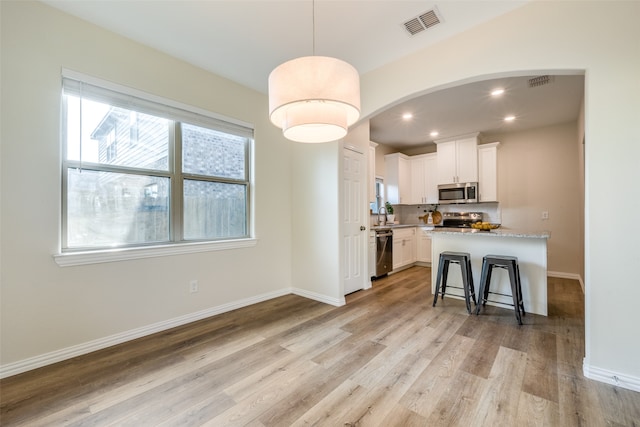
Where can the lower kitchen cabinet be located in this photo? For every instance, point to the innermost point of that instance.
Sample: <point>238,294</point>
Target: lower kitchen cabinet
<point>404,247</point>
<point>423,245</point>
<point>372,254</point>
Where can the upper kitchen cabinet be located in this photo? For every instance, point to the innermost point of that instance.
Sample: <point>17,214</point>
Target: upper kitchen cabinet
<point>398,178</point>
<point>488,172</point>
<point>458,160</point>
<point>424,179</point>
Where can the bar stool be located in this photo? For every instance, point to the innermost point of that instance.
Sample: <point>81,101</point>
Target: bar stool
<point>464,260</point>
<point>509,263</point>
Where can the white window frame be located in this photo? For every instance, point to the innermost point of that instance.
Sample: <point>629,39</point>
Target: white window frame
<point>181,112</point>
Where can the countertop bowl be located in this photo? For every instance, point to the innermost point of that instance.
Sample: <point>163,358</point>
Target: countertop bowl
<point>485,226</point>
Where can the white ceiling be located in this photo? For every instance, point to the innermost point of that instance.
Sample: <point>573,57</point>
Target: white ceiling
<point>243,40</point>
<point>471,108</point>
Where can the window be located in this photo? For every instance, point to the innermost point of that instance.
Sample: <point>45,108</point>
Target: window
<point>375,206</point>
<point>138,171</point>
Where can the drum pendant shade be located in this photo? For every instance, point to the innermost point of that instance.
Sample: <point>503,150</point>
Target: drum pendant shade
<point>314,98</point>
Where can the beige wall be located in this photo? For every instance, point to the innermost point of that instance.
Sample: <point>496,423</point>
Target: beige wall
<point>47,309</point>
<point>317,224</point>
<point>381,151</point>
<point>537,171</point>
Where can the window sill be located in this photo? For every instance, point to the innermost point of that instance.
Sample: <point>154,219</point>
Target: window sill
<point>112,255</point>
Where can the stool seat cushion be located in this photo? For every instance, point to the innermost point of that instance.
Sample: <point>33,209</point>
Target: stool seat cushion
<point>460,254</point>
<point>498,258</point>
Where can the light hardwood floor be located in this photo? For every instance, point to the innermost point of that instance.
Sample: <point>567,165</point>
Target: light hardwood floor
<point>387,358</point>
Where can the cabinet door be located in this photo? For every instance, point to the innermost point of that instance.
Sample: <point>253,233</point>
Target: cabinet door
<point>410,248</point>
<point>430,166</point>
<point>423,246</point>
<point>398,252</point>
<point>405,181</point>
<point>372,254</point>
<point>447,162</point>
<point>488,172</point>
<point>397,178</point>
<point>467,164</point>
<point>418,193</point>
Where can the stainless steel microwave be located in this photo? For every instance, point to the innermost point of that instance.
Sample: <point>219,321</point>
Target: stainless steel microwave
<point>462,192</point>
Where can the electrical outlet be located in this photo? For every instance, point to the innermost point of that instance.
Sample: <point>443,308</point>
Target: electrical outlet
<point>193,286</point>
<point>545,215</point>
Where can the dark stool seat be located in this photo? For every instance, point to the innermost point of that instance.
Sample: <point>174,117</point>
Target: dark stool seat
<point>464,260</point>
<point>509,263</point>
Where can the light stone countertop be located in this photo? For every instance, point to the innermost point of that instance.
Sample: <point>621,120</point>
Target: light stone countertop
<point>383,227</point>
<point>498,232</point>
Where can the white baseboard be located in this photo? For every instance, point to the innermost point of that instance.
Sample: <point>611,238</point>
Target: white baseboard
<point>337,302</point>
<point>610,377</point>
<point>561,275</point>
<point>99,344</point>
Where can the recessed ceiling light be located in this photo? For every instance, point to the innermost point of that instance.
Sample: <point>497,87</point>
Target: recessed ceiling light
<point>407,116</point>
<point>497,92</point>
<point>434,133</point>
<point>509,118</point>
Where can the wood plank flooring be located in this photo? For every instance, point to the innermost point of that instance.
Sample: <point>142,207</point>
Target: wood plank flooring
<point>387,358</point>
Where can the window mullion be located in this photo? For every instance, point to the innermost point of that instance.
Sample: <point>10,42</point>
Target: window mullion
<point>72,164</point>
<point>177,182</point>
<point>247,174</point>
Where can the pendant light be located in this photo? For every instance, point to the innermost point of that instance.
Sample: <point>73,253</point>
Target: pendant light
<point>314,98</point>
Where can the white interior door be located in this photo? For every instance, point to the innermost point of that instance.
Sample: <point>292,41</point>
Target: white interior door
<point>354,222</point>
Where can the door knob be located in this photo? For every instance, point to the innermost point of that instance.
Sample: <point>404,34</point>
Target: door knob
<point>362,228</point>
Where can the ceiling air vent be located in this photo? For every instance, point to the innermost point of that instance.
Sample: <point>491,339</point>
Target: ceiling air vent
<point>422,22</point>
<point>540,81</point>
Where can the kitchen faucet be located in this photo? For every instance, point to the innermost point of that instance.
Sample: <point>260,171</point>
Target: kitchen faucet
<point>384,221</point>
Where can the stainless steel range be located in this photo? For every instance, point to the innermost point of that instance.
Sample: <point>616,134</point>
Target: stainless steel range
<point>460,219</point>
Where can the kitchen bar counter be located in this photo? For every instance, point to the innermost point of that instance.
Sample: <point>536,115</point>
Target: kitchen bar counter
<point>392,226</point>
<point>498,232</point>
<point>529,247</point>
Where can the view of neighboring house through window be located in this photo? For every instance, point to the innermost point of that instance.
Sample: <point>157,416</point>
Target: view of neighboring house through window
<point>379,202</point>
<point>138,172</point>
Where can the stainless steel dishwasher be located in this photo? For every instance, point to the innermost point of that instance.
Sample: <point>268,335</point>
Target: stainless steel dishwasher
<point>384,251</point>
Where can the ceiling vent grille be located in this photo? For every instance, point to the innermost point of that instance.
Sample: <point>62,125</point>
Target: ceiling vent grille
<point>540,81</point>
<point>422,22</point>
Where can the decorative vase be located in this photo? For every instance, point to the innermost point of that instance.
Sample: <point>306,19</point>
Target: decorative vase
<point>391,218</point>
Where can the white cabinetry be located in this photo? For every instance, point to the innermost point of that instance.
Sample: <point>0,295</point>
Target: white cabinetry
<point>424,179</point>
<point>423,245</point>
<point>488,172</point>
<point>398,178</point>
<point>404,247</point>
<point>458,160</point>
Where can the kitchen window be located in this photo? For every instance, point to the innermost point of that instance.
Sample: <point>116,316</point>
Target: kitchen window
<point>140,172</point>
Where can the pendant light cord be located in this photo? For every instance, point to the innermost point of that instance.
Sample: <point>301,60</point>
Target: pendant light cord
<point>313,27</point>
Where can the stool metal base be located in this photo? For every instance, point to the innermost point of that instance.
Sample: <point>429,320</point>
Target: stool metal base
<point>464,260</point>
<point>510,264</point>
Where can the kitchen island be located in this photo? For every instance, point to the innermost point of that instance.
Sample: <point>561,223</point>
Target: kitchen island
<point>529,247</point>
